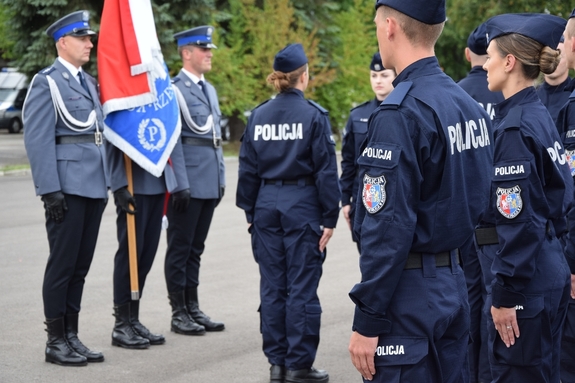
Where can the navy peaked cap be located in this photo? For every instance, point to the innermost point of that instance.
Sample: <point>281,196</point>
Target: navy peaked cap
<point>477,40</point>
<point>200,36</point>
<point>427,11</point>
<point>376,64</point>
<point>541,27</point>
<point>290,58</point>
<point>572,13</point>
<point>74,24</point>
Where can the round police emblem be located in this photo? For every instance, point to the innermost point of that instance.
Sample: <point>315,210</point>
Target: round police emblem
<point>509,202</point>
<point>373,195</point>
<point>188,83</point>
<point>152,136</point>
<point>65,75</point>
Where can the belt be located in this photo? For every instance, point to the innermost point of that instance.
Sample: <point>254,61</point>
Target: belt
<point>95,138</point>
<point>308,181</point>
<point>486,236</point>
<point>415,260</point>
<point>202,142</point>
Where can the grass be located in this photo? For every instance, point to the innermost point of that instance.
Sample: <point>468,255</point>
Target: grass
<point>8,168</point>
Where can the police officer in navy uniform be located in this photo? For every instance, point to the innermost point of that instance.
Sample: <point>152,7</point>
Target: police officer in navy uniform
<point>288,188</point>
<point>525,271</point>
<point>147,204</point>
<point>475,83</point>
<point>354,134</point>
<point>202,147</point>
<point>566,127</point>
<point>63,138</point>
<point>424,171</point>
<point>556,87</point>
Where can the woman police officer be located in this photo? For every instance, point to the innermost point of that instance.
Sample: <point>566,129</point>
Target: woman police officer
<point>527,277</point>
<point>288,187</point>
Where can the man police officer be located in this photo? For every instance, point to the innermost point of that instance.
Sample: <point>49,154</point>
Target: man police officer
<point>63,138</point>
<point>202,147</point>
<point>425,179</point>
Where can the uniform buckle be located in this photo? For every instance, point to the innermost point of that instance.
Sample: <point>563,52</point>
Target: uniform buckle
<point>98,138</point>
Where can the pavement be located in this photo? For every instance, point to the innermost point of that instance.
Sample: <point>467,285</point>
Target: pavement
<point>229,292</point>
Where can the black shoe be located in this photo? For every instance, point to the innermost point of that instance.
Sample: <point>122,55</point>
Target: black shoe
<point>306,375</point>
<point>71,324</point>
<point>277,373</point>
<point>154,339</point>
<point>124,334</point>
<point>198,315</point>
<point>58,351</point>
<point>182,323</point>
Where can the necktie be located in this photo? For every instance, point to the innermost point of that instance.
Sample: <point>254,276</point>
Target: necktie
<point>205,90</point>
<point>83,82</point>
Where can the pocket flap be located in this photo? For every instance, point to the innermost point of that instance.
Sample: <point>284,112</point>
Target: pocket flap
<point>313,309</point>
<point>531,308</point>
<point>69,152</point>
<point>399,351</point>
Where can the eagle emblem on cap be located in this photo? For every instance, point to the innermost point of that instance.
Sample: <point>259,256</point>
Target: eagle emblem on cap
<point>509,202</point>
<point>209,31</point>
<point>373,195</point>
<point>85,16</point>
<point>377,67</point>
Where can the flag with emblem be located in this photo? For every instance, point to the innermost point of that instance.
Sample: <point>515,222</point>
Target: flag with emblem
<point>141,114</point>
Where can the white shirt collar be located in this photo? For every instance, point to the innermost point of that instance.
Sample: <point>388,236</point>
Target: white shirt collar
<point>193,77</point>
<point>73,70</point>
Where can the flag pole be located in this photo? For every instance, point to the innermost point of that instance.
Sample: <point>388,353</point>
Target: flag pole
<point>132,247</point>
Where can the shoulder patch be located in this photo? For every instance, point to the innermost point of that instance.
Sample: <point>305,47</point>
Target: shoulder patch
<point>395,98</point>
<point>513,118</point>
<point>360,105</point>
<point>318,106</point>
<point>48,70</point>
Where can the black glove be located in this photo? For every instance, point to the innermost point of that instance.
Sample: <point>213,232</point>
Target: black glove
<point>123,199</point>
<point>55,205</point>
<point>181,200</point>
<point>222,191</point>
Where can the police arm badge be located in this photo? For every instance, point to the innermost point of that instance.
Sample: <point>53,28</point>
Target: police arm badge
<point>509,202</point>
<point>373,195</point>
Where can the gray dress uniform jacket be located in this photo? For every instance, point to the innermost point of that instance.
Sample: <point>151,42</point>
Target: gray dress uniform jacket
<point>78,169</point>
<point>204,164</point>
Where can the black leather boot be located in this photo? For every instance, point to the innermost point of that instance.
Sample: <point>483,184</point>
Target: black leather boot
<point>307,375</point>
<point>58,350</point>
<point>182,323</point>
<point>124,334</point>
<point>71,323</point>
<point>277,373</point>
<point>140,329</point>
<point>197,315</point>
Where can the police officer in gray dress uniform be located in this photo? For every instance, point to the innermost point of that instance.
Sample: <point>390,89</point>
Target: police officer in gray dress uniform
<point>201,144</point>
<point>63,139</point>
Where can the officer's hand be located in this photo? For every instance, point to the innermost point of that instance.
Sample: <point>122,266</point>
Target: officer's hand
<point>123,199</point>
<point>181,200</point>
<point>505,321</point>
<point>362,351</point>
<point>222,191</point>
<point>327,233</point>
<point>55,205</point>
<point>346,209</point>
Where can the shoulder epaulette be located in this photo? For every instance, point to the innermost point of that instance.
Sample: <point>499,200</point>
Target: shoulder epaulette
<point>395,98</point>
<point>175,80</point>
<point>48,70</point>
<point>318,106</point>
<point>513,118</point>
<point>572,95</point>
<point>360,105</point>
<point>262,103</point>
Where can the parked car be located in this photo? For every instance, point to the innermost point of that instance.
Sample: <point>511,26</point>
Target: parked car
<point>13,88</point>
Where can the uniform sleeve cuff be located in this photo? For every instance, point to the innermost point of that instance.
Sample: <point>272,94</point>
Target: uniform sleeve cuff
<point>249,217</point>
<point>502,297</point>
<point>345,199</point>
<point>368,325</point>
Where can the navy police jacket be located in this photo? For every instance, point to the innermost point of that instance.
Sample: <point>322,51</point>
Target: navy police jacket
<point>531,189</point>
<point>554,97</point>
<point>354,134</point>
<point>475,84</point>
<point>566,127</point>
<point>289,138</point>
<point>424,182</point>
<point>79,168</point>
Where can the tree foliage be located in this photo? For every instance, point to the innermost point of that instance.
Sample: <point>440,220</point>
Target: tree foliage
<point>338,36</point>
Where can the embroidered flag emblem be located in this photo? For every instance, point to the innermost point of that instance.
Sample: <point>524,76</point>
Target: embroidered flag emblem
<point>373,194</point>
<point>509,202</point>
